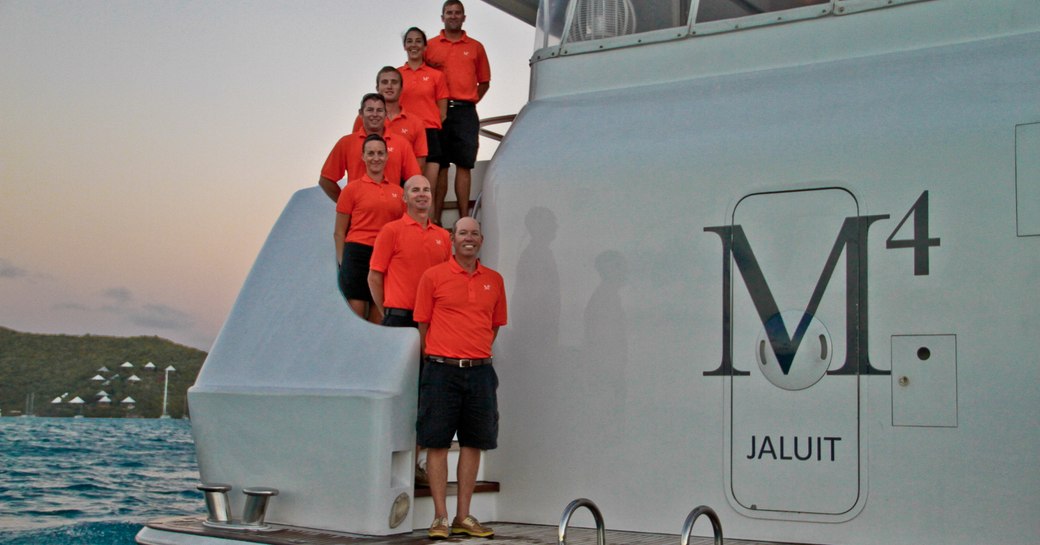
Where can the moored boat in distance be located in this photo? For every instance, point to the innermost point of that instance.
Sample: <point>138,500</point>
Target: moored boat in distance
<point>776,257</point>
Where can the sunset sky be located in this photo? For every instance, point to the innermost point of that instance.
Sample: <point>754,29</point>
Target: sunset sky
<point>146,147</point>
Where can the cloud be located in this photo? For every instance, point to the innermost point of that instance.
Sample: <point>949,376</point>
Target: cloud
<point>70,306</point>
<point>120,295</point>
<point>162,317</point>
<point>120,302</point>
<point>9,270</point>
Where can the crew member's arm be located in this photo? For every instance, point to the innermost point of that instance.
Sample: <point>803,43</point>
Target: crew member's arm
<point>494,334</point>
<point>375,285</point>
<point>442,105</point>
<point>330,187</point>
<point>423,328</point>
<point>482,89</point>
<point>339,234</point>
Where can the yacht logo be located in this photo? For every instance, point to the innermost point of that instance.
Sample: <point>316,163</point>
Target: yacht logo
<point>778,346</point>
<point>487,287</point>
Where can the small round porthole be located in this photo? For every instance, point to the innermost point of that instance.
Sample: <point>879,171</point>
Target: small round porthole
<point>923,353</point>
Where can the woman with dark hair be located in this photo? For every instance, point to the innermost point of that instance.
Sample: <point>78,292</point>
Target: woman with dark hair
<point>425,94</point>
<point>364,206</point>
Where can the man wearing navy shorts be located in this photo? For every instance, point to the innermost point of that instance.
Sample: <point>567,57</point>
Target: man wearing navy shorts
<point>468,75</point>
<point>459,306</point>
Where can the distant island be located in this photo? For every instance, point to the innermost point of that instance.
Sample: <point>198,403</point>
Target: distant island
<point>93,375</point>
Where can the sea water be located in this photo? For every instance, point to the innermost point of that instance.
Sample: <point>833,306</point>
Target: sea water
<point>66,481</point>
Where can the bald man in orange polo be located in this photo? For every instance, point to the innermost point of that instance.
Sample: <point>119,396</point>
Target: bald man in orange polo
<point>403,251</point>
<point>460,305</point>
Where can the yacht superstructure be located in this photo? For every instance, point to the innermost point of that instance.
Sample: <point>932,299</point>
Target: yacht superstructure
<point>780,258</point>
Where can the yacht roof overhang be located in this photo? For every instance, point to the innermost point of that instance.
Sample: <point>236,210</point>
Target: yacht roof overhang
<point>525,10</point>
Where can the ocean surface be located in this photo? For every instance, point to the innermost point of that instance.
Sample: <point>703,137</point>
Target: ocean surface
<point>66,481</point>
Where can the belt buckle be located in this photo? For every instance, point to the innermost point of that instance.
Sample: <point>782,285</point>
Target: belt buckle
<point>463,362</point>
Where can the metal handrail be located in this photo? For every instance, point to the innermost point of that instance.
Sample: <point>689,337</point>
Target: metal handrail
<point>494,136</point>
<point>687,528</point>
<point>601,532</point>
<point>494,121</point>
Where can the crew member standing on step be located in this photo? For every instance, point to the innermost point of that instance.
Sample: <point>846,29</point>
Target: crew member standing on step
<point>345,158</point>
<point>390,86</point>
<point>465,66</point>
<point>460,305</point>
<point>404,249</point>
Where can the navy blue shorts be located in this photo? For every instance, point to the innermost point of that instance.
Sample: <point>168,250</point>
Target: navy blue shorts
<point>457,400</point>
<point>433,146</point>
<point>353,273</point>
<point>396,317</point>
<point>459,135</point>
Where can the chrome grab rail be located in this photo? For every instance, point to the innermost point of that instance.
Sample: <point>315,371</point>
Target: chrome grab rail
<point>601,532</point>
<point>687,528</point>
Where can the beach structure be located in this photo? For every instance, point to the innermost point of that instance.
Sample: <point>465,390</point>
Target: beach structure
<point>98,378</point>
<point>127,365</point>
<point>150,366</point>
<point>782,275</point>
<point>166,390</point>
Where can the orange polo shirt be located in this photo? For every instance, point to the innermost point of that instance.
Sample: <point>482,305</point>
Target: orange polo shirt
<point>464,63</point>
<point>423,87</point>
<point>461,309</point>
<point>409,128</point>
<point>403,251</point>
<point>345,158</point>
<point>371,205</point>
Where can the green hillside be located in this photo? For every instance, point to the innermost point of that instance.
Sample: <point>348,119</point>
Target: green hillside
<point>52,365</point>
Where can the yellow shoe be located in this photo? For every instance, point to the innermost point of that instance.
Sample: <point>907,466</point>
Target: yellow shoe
<point>439,528</point>
<point>471,527</point>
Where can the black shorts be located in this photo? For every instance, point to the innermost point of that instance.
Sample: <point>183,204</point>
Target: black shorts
<point>353,273</point>
<point>457,400</point>
<point>397,317</point>
<point>459,135</point>
<point>433,146</point>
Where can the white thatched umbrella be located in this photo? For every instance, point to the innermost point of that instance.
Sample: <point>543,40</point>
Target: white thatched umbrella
<point>98,378</point>
<point>127,365</point>
<point>76,401</point>
<point>128,401</point>
<point>105,399</point>
<point>133,378</point>
<point>149,366</point>
<point>103,369</point>
<point>56,400</point>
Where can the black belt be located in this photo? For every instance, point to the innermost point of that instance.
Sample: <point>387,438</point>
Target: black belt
<point>452,103</point>
<point>403,312</point>
<point>465,362</point>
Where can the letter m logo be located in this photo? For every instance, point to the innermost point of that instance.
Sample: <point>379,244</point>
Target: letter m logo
<point>852,241</point>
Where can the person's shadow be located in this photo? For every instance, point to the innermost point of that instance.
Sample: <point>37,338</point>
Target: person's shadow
<point>535,304</point>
